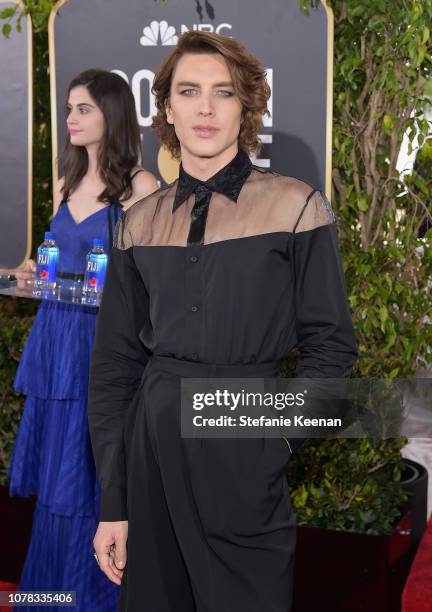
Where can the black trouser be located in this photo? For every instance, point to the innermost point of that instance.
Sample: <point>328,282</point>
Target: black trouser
<point>211,528</point>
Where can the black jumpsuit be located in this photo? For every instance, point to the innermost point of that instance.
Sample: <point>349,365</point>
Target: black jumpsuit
<point>210,279</point>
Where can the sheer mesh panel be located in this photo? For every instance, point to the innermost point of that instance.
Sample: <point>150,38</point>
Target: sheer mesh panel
<point>316,212</point>
<point>267,203</point>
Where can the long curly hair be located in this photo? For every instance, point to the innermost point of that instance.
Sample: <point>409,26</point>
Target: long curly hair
<point>247,73</point>
<point>120,147</point>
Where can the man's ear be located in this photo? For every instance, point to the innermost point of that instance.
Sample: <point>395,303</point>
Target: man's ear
<point>168,112</point>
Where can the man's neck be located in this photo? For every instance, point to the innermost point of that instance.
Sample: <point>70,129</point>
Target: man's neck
<point>203,168</point>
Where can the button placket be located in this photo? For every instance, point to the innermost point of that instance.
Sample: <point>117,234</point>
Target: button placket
<point>193,302</point>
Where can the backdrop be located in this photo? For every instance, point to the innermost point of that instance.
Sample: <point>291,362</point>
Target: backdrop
<point>133,36</point>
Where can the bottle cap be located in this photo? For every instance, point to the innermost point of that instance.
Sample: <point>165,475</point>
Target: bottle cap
<point>50,236</point>
<point>97,242</point>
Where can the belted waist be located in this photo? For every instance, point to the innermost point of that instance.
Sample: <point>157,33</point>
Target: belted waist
<point>196,369</point>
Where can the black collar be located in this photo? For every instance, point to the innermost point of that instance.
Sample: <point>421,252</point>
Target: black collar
<point>228,181</point>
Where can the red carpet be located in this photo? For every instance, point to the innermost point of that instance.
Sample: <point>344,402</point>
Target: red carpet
<point>7,586</point>
<point>417,594</point>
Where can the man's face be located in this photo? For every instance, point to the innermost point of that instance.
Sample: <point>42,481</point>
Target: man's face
<point>203,106</point>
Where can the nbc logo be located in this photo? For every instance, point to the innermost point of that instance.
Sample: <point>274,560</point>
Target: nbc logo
<point>150,37</point>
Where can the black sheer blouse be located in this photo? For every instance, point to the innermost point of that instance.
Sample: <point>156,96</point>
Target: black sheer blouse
<point>238,269</point>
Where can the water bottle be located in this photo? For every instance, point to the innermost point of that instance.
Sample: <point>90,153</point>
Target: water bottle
<point>46,266</point>
<point>96,264</point>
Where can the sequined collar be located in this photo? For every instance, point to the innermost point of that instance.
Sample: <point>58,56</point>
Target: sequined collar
<point>228,181</point>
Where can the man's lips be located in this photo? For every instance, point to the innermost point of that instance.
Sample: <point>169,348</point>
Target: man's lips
<point>205,131</point>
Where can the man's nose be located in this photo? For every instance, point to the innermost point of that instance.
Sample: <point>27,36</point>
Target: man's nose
<point>206,107</point>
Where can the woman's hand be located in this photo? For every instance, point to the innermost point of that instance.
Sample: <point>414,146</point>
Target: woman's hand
<point>110,546</point>
<point>26,274</point>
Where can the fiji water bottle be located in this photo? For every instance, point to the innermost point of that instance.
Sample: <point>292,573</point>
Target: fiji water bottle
<point>96,264</point>
<point>46,265</point>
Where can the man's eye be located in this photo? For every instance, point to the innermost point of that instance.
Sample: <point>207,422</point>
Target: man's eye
<point>188,92</point>
<point>225,94</point>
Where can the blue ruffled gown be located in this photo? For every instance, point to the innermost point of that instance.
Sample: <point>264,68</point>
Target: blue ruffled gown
<point>52,456</point>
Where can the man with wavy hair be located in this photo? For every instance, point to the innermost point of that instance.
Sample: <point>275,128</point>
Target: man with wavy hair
<point>219,274</point>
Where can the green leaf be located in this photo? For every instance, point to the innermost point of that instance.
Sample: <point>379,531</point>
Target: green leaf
<point>6,29</point>
<point>8,12</point>
<point>421,56</point>
<point>426,34</point>
<point>357,10</point>
<point>389,121</point>
<point>383,312</point>
<point>304,6</point>
<point>362,202</point>
<point>427,91</point>
<point>377,21</point>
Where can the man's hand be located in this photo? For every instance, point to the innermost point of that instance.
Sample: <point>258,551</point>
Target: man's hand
<point>110,546</point>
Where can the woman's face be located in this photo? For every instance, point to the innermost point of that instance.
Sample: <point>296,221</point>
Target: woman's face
<point>85,120</point>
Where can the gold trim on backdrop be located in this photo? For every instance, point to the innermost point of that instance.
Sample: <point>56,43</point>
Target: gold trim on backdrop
<point>53,94</point>
<point>329,113</point>
<point>29,138</point>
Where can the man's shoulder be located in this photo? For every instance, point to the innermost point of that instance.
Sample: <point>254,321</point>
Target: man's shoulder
<point>282,183</point>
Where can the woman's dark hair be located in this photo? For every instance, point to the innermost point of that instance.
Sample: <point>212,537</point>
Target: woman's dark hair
<point>249,79</point>
<point>120,148</point>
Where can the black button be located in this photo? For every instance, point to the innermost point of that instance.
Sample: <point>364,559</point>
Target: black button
<point>194,356</point>
<point>194,308</point>
<point>194,259</point>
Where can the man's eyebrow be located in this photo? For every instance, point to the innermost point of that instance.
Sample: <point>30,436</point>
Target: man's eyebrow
<point>190,84</point>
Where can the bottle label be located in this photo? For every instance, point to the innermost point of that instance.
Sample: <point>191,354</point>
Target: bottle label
<point>95,273</point>
<point>46,265</point>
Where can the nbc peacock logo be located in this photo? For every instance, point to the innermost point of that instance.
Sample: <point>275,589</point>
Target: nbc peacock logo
<point>158,32</point>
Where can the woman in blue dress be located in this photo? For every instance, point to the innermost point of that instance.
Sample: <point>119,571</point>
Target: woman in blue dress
<point>52,456</point>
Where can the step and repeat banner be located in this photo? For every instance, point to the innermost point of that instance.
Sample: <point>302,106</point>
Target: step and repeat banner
<point>15,144</point>
<point>132,37</point>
